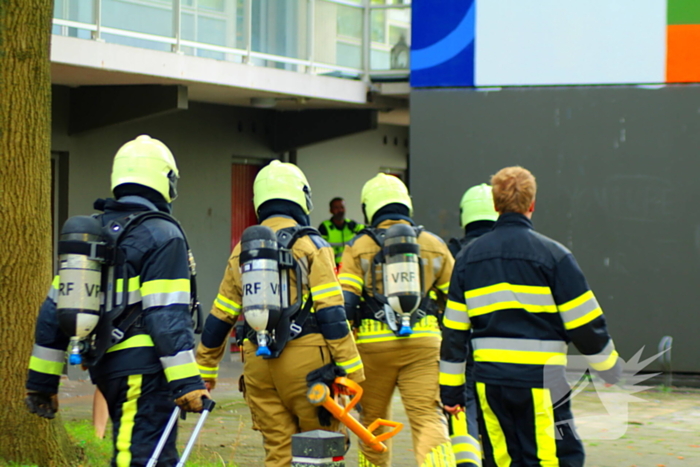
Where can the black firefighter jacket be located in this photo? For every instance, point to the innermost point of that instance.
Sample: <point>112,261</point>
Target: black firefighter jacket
<point>523,298</point>
<point>159,284</point>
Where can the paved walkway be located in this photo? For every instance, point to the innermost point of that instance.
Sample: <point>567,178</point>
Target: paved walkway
<point>663,430</point>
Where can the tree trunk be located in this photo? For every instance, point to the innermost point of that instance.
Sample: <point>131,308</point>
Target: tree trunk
<point>25,224</point>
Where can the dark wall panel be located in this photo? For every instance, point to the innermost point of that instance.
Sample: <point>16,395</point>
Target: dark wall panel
<point>618,173</point>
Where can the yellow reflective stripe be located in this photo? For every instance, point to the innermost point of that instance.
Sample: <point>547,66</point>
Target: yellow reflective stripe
<point>456,316</point>
<point>209,372</point>
<point>444,287</point>
<point>326,290</point>
<point>186,370</point>
<point>544,428</point>
<point>352,280</point>
<point>504,296</point>
<point>528,289</point>
<point>351,365</point>
<point>390,336</point>
<point>134,284</point>
<point>578,301</point>
<point>605,359</point>
<point>140,340</point>
<point>456,325</point>
<point>226,305</point>
<point>165,286</point>
<point>46,366</point>
<point>56,281</point>
<point>519,357</point>
<point>511,304</point>
<point>53,290</point>
<point>493,429</point>
<point>456,306</point>
<point>585,319</point>
<point>126,423</point>
<point>447,379</point>
<point>432,295</point>
<point>439,456</point>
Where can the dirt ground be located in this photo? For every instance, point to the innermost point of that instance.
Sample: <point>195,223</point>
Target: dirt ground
<point>663,429</point>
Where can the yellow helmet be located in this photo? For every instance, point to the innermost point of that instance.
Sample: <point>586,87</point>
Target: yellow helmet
<point>477,205</point>
<point>282,180</point>
<point>148,162</point>
<point>384,189</point>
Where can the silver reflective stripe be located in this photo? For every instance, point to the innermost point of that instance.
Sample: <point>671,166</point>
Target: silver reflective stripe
<point>53,294</point>
<point>437,265</point>
<point>180,358</point>
<point>603,355</point>
<point>451,368</point>
<point>525,345</point>
<point>580,311</point>
<point>165,299</point>
<point>208,373</point>
<point>466,440</point>
<point>464,456</point>
<point>51,355</point>
<point>509,296</point>
<point>457,316</point>
<point>384,335</point>
<point>134,297</point>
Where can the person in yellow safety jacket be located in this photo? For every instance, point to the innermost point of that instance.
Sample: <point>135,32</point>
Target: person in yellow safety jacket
<point>523,298</point>
<point>477,217</point>
<point>411,362</point>
<point>337,230</point>
<point>153,367</point>
<point>275,388</point>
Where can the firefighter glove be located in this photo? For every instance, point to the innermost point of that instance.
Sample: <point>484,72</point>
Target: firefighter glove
<point>192,401</point>
<point>43,404</point>
<point>326,375</point>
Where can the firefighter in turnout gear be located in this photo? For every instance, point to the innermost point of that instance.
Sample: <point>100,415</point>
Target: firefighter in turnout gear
<point>386,274</point>
<point>152,367</point>
<point>274,377</point>
<point>337,230</point>
<point>477,216</point>
<point>523,298</point>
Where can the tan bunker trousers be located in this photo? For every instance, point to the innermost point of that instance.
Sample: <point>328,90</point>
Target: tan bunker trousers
<point>412,366</point>
<point>275,391</point>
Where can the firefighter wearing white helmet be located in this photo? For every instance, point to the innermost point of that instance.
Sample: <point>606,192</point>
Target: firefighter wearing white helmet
<point>280,352</point>
<point>386,273</point>
<point>143,360</point>
<point>477,216</point>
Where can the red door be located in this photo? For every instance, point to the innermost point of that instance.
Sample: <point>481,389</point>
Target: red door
<point>242,211</point>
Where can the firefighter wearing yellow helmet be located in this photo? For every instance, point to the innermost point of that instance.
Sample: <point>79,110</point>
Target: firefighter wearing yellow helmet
<point>386,273</point>
<point>285,338</point>
<point>143,361</point>
<point>477,216</point>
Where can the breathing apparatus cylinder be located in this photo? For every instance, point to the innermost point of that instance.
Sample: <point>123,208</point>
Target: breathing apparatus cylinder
<point>78,307</point>
<point>260,276</point>
<point>402,282</point>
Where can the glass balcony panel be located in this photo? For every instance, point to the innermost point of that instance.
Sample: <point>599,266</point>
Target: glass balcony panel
<point>391,38</point>
<point>279,28</point>
<point>214,23</point>
<point>153,17</point>
<point>338,33</point>
<point>73,10</point>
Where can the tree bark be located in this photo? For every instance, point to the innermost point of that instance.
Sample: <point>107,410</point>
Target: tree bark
<point>25,225</point>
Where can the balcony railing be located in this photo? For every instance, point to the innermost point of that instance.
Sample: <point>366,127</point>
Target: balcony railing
<point>356,39</point>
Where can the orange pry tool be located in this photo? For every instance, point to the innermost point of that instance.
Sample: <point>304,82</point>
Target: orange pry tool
<point>320,394</point>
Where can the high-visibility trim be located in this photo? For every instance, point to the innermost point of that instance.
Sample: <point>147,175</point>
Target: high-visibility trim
<point>326,290</point>
<point>444,287</point>
<point>53,290</point>
<point>439,456</point>
<point>134,290</point>
<point>166,299</point>
<point>228,306</point>
<point>493,429</point>
<point>180,366</point>
<point>505,296</point>
<point>579,311</point>
<point>351,365</point>
<point>390,336</point>
<point>376,331</point>
<point>351,280</point>
<point>466,449</point>
<point>432,294</point>
<point>452,374</point>
<point>362,461</point>
<point>519,351</point>
<point>140,340</point>
<point>456,316</point>
<point>544,428</point>
<point>46,360</point>
<point>126,423</point>
<point>208,372</point>
<point>605,359</point>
